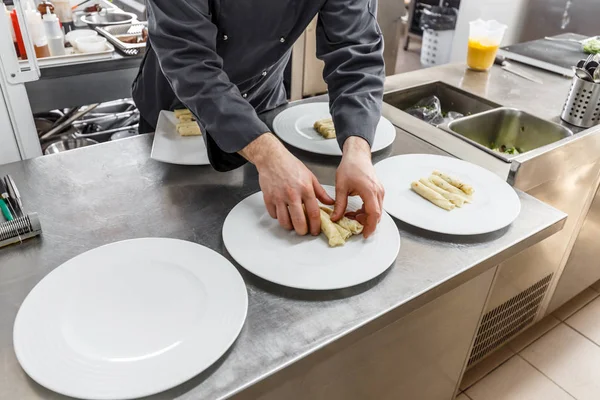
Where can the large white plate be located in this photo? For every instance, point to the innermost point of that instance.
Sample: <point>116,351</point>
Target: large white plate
<point>295,127</point>
<point>171,147</point>
<point>130,319</point>
<point>495,203</point>
<point>259,244</point>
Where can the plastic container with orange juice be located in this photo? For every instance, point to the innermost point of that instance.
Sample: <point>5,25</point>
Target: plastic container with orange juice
<point>484,40</point>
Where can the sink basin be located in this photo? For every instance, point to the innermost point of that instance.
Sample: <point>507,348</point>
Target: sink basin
<point>509,127</point>
<point>451,98</point>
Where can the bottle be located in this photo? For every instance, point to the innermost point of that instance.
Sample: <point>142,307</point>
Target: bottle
<point>45,5</point>
<point>62,9</point>
<point>36,30</point>
<point>17,29</point>
<point>12,30</point>
<point>56,39</point>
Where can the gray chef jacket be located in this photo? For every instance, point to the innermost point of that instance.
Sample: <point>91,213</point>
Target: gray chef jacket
<point>224,60</point>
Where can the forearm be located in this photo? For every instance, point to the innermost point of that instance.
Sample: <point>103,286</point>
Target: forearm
<point>263,149</point>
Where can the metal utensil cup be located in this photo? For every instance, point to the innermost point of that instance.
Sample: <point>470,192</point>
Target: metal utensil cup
<point>582,107</point>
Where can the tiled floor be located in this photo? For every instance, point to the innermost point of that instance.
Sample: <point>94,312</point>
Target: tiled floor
<point>556,359</point>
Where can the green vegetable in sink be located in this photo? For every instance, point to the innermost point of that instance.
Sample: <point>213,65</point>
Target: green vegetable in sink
<point>591,46</point>
<point>505,149</point>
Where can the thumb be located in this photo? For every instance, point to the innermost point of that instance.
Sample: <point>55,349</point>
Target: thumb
<point>341,202</point>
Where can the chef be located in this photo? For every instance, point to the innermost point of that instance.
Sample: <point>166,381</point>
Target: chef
<point>224,60</point>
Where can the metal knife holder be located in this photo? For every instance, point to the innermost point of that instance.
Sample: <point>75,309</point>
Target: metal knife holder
<point>19,229</point>
<point>582,107</point>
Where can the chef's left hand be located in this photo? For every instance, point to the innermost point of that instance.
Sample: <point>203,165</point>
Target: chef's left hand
<point>356,177</point>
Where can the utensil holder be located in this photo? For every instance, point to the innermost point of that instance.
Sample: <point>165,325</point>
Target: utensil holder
<point>582,107</point>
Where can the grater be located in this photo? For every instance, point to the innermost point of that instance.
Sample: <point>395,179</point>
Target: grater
<point>19,229</point>
<point>582,107</point>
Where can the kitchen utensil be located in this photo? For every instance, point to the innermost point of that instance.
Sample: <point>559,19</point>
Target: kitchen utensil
<point>69,144</point>
<point>295,127</point>
<point>484,40</point>
<point>90,44</point>
<point>75,115</point>
<point>581,42</point>
<point>582,106</point>
<point>597,75</point>
<point>583,74</point>
<point>495,203</point>
<point>170,147</point>
<point>107,18</point>
<point>116,33</point>
<point>130,319</point>
<point>500,60</point>
<point>260,245</point>
<point>15,193</point>
<point>123,134</point>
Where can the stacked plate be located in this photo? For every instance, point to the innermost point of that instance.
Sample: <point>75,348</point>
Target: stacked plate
<point>130,319</point>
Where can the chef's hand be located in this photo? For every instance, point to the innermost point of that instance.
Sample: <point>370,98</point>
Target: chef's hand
<point>287,185</point>
<point>356,177</point>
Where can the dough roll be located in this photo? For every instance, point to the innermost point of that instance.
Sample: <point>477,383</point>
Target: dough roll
<point>352,225</point>
<point>465,188</point>
<point>329,229</point>
<point>455,199</point>
<point>325,128</point>
<point>432,196</point>
<point>439,182</point>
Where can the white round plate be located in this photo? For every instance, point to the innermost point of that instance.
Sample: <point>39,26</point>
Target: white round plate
<point>259,244</point>
<point>295,127</point>
<point>495,203</point>
<point>170,147</point>
<point>130,319</point>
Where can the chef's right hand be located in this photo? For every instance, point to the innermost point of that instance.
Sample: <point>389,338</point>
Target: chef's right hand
<point>287,185</point>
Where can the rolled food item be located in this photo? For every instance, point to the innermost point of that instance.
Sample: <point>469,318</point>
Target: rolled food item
<point>344,233</point>
<point>325,128</point>
<point>329,229</point>
<point>432,196</point>
<point>455,199</point>
<point>352,225</point>
<point>465,188</point>
<point>439,182</point>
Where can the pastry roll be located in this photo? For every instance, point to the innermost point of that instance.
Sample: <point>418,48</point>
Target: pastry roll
<point>325,128</point>
<point>344,233</point>
<point>455,199</point>
<point>439,182</point>
<point>353,226</point>
<point>182,113</point>
<point>432,196</point>
<point>189,128</point>
<point>329,229</point>
<point>467,189</point>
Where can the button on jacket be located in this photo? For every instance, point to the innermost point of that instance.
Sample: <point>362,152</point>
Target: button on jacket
<point>225,59</point>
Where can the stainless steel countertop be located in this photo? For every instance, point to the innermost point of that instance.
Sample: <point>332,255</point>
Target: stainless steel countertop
<point>113,191</point>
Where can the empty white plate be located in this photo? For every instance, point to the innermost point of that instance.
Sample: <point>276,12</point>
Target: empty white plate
<point>295,127</point>
<point>259,244</point>
<point>171,147</point>
<point>130,319</point>
<point>495,203</point>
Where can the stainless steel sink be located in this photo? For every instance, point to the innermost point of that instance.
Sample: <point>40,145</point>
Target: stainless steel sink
<point>451,98</point>
<point>507,127</point>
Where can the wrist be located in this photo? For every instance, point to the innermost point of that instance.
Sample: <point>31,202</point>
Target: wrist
<point>356,146</point>
<point>261,149</point>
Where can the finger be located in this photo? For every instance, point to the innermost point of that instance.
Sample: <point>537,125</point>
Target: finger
<point>321,193</point>
<point>298,218</point>
<point>373,212</point>
<point>283,216</point>
<point>341,202</point>
<point>271,209</point>
<point>362,218</point>
<point>313,213</point>
<point>380,196</point>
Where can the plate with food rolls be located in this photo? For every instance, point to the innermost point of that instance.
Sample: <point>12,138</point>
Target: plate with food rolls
<point>337,258</point>
<point>178,139</point>
<point>446,195</point>
<point>309,127</point>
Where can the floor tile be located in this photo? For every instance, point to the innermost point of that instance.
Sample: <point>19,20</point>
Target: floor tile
<point>569,359</point>
<point>596,286</point>
<point>575,304</point>
<point>516,380</point>
<point>485,367</point>
<point>587,321</point>
<point>533,333</point>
